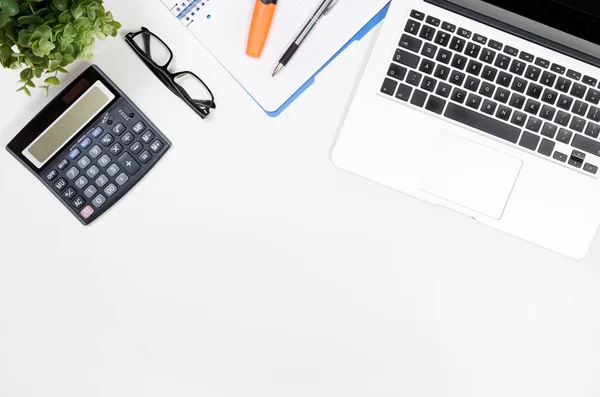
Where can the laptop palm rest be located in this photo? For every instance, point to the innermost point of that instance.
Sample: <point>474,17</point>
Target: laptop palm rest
<point>470,175</point>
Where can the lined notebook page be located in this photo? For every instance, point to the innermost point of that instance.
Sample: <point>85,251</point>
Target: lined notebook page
<point>222,27</point>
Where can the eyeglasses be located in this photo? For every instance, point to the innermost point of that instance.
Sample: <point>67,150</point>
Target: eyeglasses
<point>186,85</point>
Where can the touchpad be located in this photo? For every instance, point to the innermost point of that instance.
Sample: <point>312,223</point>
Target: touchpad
<point>470,175</point>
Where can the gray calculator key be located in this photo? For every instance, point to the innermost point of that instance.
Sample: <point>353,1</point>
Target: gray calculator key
<point>145,156</point>
<point>107,139</point>
<point>122,179</point>
<point>51,175</point>
<point>90,191</point>
<point>63,164</point>
<point>101,180</point>
<point>129,164</point>
<point>116,149</point>
<point>72,173</point>
<point>104,161</point>
<point>95,151</point>
<point>138,127</point>
<point>136,147</point>
<point>84,162</point>
<point>118,129</point>
<point>98,201</point>
<point>60,184</point>
<point>127,138</point>
<point>81,182</point>
<point>110,190</point>
<point>156,146</point>
<point>69,193</point>
<point>113,169</point>
<point>93,171</point>
<point>148,137</point>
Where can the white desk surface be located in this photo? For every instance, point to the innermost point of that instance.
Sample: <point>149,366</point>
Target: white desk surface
<point>246,264</point>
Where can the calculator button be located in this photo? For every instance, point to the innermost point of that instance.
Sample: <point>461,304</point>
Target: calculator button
<point>156,146</point>
<point>136,147</point>
<point>148,137</point>
<point>85,143</point>
<point>116,149</point>
<point>81,182</point>
<point>118,129</point>
<point>84,162</point>
<point>74,153</point>
<point>104,161</point>
<point>78,202</point>
<point>96,132</point>
<point>69,193</point>
<point>101,180</point>
<point>95,151</point>
<point>72,173</point>
<point>63,164</point>
<point>145,157</point>
<point>90,191</point>
<point>107,140</point>
<point>122,179</point>
<point>51,175</point>
<point>129,164</point>
<point>60,184</point>
<point>93,171</point>
<point>111,119</point>
<point>110,190</point>
<point>87,212</point>
<point>127,111</point>
<point>112,170</point>
<point>99,200</point>
<point>138,127</point>
<point>127,138</point>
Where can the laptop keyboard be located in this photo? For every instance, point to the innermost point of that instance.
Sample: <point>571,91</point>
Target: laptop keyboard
<point>518,97</point>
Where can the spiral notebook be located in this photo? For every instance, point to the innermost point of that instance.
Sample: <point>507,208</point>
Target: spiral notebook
<point>222,27</point>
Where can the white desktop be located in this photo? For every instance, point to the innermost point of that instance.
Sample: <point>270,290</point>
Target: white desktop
<point>247,264</point>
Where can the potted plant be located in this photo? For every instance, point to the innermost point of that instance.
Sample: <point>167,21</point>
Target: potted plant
<point>42,37</point>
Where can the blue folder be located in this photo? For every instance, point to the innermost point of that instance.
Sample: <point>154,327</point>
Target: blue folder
<point>358,36</point>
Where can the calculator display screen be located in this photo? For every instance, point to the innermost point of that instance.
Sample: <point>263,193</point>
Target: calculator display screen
<point>77,116</point>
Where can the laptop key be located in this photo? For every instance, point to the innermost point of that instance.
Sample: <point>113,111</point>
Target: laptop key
<point>495,45</point>
<point>472,50</point>
<point>558,69</point>
<point>589,80</point>
<point>562,118</point>
<point>502,61</point>
<point>594,114</point>
<point>518,118</point>
<point>548,79</point>
<point>472,84</point>
<point>560,157</point>
<point>549,96</point>
<point>533,72</point>
<point>542,62</point>
<point>592,169</point>
<point>429,50</point>
<point>487,89</point>
<point>593,96</point>
<point>406,58</point>
<point>441,72</point>
<point>534,124</point>
<point>487,55</point>
<point>529,140</point>
<point>519,85</point>
<point>504,79</point>
<point>464,33</point>
<point>564,136</point>
<point>488,107</point>
<point>580,108</point>
<point>474,67</point>
<point>449,27</point>
<point>458,95</point>
<point>517,67</point>
<point>417,15</point>
<point>563,84</point>
<point>586,144</point>
<point>547,112</point>
<point>564,102</point>
<point>473,101</point>
<point>534,90</point>
<point>389,86</point>
<point>459,62</point>
<point>532,106</point>
<point>592,130</point>
<point>577,124</point>
<point>435,104</point>
<point>511,50</point>
<point>457,78</point>
<point>404,92</point>
<point>428,84</point>
<point>427,32</point>
<point>444,56</point>
<point>410,43</point>
<point>442,38</point>
<point>502,95</point>
<point>503,112</point>
<point>418,98</point>
<point>480,39</point>
<point>482,122</point>
<point>433,21</point>
<point>573,74</point>
<point>517,101</point>
<point>412,27</point>
<point>546,147</point>
<point>457,44</point>
<point>489,73</point>
<point>413,78</point>
<point>426,66</point>
<point>397,71</point>
<point>443,90</point>
<point>578,90</point>
<point>549,130</point>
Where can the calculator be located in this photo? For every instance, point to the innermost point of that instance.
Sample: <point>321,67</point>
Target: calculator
<point>90,145</point>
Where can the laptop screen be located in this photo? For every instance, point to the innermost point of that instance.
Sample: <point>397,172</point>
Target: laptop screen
<point>572,23</point>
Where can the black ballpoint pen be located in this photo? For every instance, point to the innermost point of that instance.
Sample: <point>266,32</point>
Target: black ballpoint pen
<point>324,8</point>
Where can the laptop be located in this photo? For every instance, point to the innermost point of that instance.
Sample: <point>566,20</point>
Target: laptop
<point>490,108</point>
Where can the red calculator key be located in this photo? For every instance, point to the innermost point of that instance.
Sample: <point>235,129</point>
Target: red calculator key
<point>87,211</point>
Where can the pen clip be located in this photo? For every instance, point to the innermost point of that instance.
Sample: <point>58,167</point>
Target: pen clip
<point>330,7</point>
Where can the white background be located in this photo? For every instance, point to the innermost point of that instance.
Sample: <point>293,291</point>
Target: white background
<point>246,264</point>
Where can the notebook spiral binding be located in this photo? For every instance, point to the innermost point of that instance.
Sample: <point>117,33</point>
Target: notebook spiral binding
<point>186,10</point>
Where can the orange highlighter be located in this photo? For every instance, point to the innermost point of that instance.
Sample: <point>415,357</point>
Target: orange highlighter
<point>259,28</point>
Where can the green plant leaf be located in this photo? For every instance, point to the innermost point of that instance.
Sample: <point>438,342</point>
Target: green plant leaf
<point>65,17</point>
<point>31,20</point>
<point>60,5</point>
<point>30,84</point>
<point>9,7</point>
<point>4,19</point>
<point>5,52</point>
<point>52,81</point>
<point>26,91</point>
<point>70,31</point>
<point>77,10</point>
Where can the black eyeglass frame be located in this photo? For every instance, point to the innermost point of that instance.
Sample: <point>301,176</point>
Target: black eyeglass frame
<point>201,107</point>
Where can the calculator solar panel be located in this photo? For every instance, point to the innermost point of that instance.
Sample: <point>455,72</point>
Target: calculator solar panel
<point>90,146</point>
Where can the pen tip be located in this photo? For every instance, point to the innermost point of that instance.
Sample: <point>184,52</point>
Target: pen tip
<point>277,69</point>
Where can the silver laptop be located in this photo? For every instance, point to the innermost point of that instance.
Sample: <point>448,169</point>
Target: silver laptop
<point>490,108</point>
